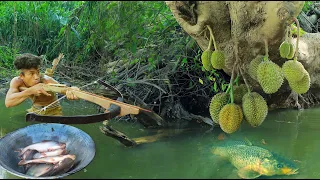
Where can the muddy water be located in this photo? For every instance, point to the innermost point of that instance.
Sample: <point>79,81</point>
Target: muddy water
<point>291,133</point>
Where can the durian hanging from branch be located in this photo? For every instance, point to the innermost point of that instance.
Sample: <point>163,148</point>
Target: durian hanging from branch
<point>254,106</point>
<point>253,66</point>
<point>295,73</point>
<point>217,57</point>
<point>231,116</point>
<point>269,74</point>
<point>286,48</point>
<point>212,59</point>
<point>206,56</point>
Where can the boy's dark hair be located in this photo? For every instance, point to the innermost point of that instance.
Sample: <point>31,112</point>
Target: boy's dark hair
<point>27,61</point>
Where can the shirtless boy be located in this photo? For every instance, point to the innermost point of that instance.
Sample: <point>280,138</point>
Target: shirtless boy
<point>30,77</point>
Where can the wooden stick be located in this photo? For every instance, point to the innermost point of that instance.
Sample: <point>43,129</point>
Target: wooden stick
<point>100,100</point>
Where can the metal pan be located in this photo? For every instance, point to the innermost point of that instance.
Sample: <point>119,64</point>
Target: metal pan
<point>77,142</point>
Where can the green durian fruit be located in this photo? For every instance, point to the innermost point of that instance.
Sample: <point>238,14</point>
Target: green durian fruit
<point>292,51</point>
<point>302,86</point>
<point>284,49</point>
<point>253,66</point>
<point>293,70</point>
<point>217,102</point>
<point>230,118</point>
<point>239,92</point>
<point>255,108</point>
<point>206,59</point>
<point>218,60</point>
<point>270,76</point>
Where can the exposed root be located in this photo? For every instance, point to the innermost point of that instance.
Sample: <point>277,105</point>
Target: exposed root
<point>293,100</point>
<point>301,101</point>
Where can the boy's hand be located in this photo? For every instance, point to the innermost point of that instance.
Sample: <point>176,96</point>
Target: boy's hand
<point>70,95</point>
<point>37,90</point>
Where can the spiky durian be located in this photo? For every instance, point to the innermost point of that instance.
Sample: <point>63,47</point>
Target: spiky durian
<point>217,102</point>
<point>217,60</point>
<point>253,66</point>
<point>270,76</point>
<point>255,108</point>
<point>230,118</point>
<point>301,86</point>
<point>292,51</point>
<point>284,49</point>
<point>293,70</point>
<point>239,92</point>
<point>206,60</point>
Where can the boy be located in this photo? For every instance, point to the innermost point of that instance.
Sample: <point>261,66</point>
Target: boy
<point>30,77</point>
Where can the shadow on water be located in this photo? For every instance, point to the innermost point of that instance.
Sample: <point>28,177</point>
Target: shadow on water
<point>290,133</point>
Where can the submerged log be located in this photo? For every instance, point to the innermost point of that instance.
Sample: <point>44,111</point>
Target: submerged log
<point>109,131</point>
<point>125,140</point>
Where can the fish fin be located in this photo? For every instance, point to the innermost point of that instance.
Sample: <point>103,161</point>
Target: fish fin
<point>19,151</point>
<point>248,142</point>
<point>219,151</point>
<point>247,173</point>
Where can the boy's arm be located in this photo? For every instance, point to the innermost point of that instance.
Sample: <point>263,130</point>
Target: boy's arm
<point>69,93</point>
<point>15,97</point>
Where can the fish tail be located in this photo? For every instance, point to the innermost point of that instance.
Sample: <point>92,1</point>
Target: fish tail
<point>22,162</point>
<point>219,151</point>
<point>214,150</point>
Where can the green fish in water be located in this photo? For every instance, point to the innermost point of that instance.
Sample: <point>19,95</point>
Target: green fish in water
<point>253,161</point>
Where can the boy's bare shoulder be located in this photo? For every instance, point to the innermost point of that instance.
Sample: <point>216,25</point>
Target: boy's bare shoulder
<point>16,82</point>
<point>48,79</point>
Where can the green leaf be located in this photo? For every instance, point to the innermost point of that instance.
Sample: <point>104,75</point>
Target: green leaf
<point>224,86</point>
<point>61,31</point>
<point>200,80</point>
<point>184,61</point>
<point>75,32</point>
<point>215,86</point>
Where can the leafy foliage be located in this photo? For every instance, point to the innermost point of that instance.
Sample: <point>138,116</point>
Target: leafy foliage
<point>94,34</point>
<point>307,5</point>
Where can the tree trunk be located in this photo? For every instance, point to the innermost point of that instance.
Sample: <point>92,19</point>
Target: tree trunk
<point>252,22</point>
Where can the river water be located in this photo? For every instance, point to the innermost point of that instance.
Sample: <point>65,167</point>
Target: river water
<point>291,133</point>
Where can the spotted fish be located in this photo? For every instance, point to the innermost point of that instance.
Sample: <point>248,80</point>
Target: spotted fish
<point>253,161</point>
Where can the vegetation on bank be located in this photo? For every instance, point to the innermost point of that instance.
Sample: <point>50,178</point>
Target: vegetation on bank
<point>136,46</point>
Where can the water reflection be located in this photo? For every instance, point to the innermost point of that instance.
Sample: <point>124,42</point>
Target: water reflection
<point>290,133</point>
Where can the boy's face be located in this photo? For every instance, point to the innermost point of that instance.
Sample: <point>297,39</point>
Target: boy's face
<point>31,76</point>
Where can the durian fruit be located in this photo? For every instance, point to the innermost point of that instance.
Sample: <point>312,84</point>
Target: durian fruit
<point>205,58</point>
<point>217,102</point>
<point>293,70</point>
<point>270,76</point>
<point>284,49</point>
<point>230,118</point>
<point>239,92</point>
<point>302,86</point>
<point>218,60</point>
<point>292,51</point>
<point>253,66</point>
<point>255,108</point>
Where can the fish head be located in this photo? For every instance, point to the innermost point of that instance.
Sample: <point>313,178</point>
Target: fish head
<point>277,165</point>
<point>62,145</point>
<point>63,166</point>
